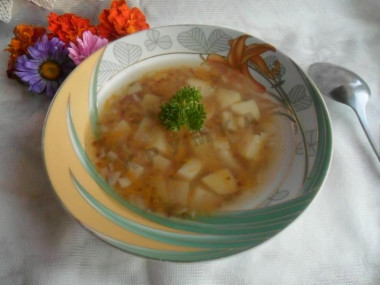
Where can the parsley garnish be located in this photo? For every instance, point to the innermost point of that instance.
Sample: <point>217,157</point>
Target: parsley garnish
<point>184,108</point>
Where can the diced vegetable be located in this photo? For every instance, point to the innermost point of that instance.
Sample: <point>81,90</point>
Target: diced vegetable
<point>104,129</point>
<point>223,150</point>
<point>228,121</point>
<point>205,88</point>
<point>241,122</point>
<point>227,157</point>
<point>246,108</point>
<point>226,97</point>
<point>160,142</point>
<point>190,169</point>
<point>113,177</point>
<point>202,144</point>
<point>104,171</point>
<point>221,182</point>
<point>210,108</point>
<point>124,182</point>
<point>202,199</point>
<point>142,133</point>
<point>112,155</point>
<point>135,169</point>
<point>134,88</point>
<point>160,187</point>
<point>151,102</point>
<point>160,162</point>
<point>251,145</point>
<point>221,144</point>
<point>122,126</point>
<point>102,152</point>
<point>179,191</point>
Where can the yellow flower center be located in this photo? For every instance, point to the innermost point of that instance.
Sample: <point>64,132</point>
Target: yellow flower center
<point>50,70</point>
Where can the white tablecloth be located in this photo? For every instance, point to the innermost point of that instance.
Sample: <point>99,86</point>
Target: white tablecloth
<point>335,241</point>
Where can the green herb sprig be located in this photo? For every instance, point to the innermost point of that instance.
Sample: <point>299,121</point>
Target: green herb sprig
<point>184,108</point>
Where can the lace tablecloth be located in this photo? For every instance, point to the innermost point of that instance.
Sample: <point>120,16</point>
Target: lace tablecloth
<point>6,7</point>
<point>335,241</point>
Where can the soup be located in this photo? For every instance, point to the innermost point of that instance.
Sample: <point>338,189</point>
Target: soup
<point>184,172</point>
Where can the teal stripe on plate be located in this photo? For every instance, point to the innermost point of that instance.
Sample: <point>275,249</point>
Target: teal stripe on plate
<point>167,255</point>
<point>93,101</point>
<point>190,240</point>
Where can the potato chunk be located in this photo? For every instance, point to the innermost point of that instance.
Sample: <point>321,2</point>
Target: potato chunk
<point>159,142</point>
<point>210,108</point>
<point>142,134</point>
<point>228,121</point>
<point>136,170</point>
<point>122,126</point>
<point>246,108</point>
<point>205,88</point>
<point>151,102</point>
<point>221,143</point>
<point>202,144</point>
<point>226,97</point>
<point>221,182</point>
<point>124,182</point>
<point>251,145</point>
<point>160,162</point>
<point>203,200</point>
<point>190,169</point>
<point>223,150</point>
<point>160,186</point>
<point>113,177</point>
<point>134,88</point>
<point>178,191</point>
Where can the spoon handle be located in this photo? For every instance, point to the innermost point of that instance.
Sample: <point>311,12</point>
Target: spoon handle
<point>363,121</point>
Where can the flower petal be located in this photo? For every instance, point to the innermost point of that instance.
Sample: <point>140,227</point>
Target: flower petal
<point>35,53</point>
<point>256,49</point>
<point>85,46</point>
<point>51,88</point>
<point>260,63</point>
<point>235,56</point>
<point>32,79</point>
<point>33,65</point>
<point>38,87</point>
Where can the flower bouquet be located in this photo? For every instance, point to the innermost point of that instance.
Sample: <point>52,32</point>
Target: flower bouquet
<point>43,57</point>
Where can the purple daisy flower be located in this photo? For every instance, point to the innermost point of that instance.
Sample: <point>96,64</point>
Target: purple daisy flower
<point>45,67</point>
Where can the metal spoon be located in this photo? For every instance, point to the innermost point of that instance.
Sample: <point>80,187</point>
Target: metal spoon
<point>346,87</point>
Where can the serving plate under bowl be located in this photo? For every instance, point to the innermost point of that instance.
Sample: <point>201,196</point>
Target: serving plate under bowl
<point>88,197</point>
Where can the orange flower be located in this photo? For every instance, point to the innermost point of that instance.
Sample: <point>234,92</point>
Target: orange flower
<point>120,20</point>
<point>68,27</point>
<point>25,36</point>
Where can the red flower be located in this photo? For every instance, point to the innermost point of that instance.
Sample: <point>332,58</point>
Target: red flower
<point>120,20</point>
<point>25,36</point>
<point>68,27</point>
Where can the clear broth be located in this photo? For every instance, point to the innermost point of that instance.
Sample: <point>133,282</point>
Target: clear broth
<point>187,173</point>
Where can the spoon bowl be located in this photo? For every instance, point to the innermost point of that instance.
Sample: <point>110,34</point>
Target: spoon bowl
<point>352,94</point>
<point>344,86</point>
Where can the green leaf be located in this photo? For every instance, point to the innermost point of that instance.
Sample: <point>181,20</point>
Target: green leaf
<point>300,99</point>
